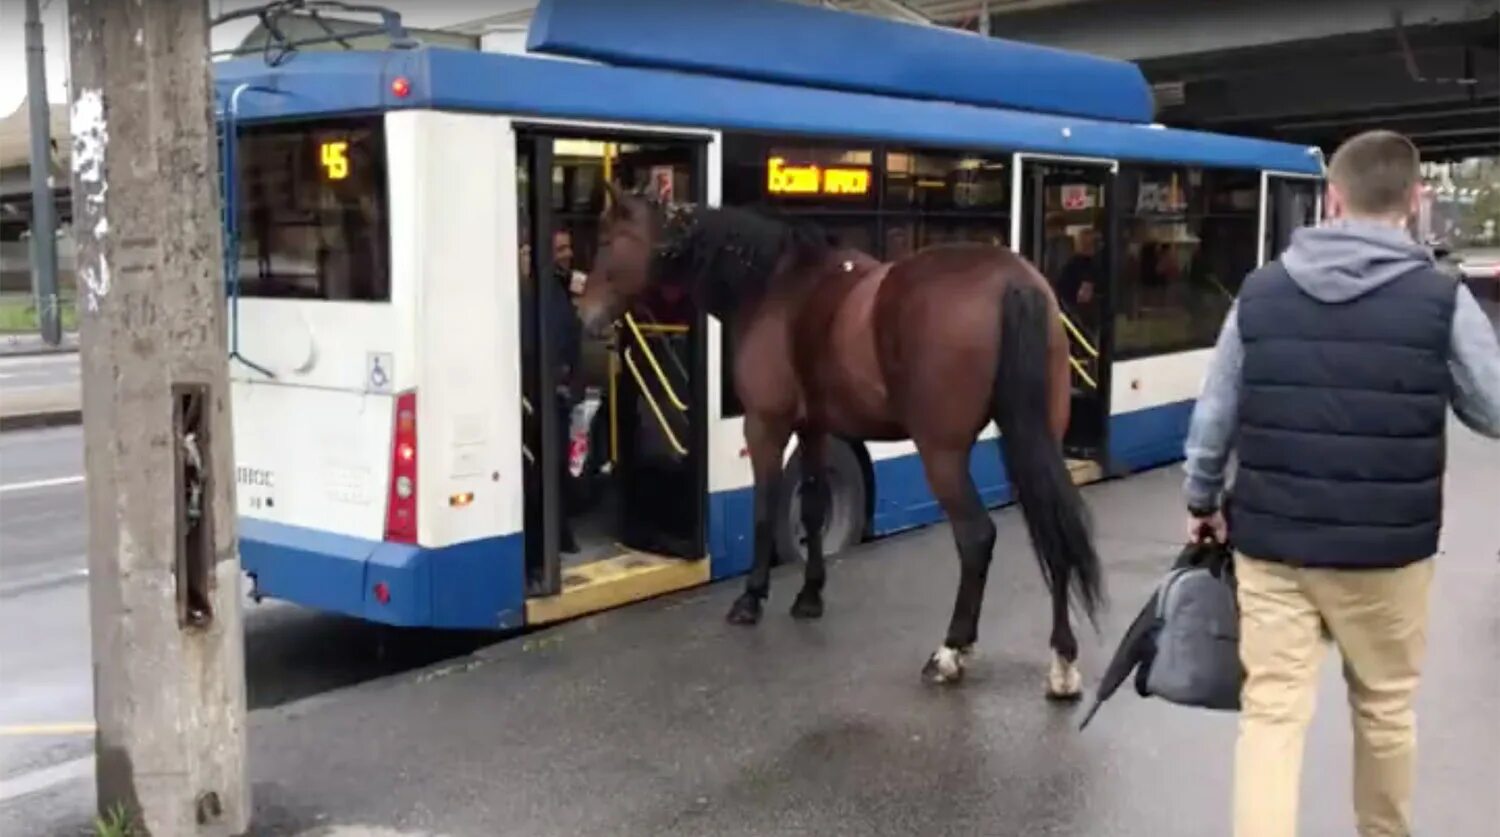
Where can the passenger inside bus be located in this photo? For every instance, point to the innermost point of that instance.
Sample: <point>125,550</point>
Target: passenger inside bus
<point>1079,279</point>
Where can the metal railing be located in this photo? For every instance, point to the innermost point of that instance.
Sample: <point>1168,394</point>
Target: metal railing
<point>1076,336</point>
<point>642,334</point>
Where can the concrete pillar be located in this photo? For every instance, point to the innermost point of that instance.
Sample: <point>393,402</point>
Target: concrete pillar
<point>164,574</point>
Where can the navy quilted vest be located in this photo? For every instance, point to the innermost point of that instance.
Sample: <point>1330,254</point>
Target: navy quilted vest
<point>1343,408</point>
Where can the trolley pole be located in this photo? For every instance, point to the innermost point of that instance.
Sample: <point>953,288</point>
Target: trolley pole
<point>164,592</point>
<point>43,211</point>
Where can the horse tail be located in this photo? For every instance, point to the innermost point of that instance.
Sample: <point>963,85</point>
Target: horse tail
<point>1055,514</point>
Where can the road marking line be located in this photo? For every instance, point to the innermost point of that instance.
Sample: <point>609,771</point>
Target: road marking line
<point>47,777</point>
<point>61,728</point>
<point>55,359</point>
<point>36,484</point>
<point>16,588</point>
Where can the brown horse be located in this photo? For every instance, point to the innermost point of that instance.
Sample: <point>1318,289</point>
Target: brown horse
<point>828,340</point>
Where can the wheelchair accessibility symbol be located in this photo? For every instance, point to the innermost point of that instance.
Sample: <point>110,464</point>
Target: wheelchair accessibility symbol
<point>378,371</point>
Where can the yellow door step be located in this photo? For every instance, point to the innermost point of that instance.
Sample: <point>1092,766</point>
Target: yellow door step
<point>1085,471</point>
<point>611,582</point>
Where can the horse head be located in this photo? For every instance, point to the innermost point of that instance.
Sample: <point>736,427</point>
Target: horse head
<point>631,232</point>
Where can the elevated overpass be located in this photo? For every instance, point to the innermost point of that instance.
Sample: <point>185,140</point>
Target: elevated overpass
<point>1305,71</point>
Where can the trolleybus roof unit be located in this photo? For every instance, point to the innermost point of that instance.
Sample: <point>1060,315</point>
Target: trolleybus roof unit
<point>328,83</point>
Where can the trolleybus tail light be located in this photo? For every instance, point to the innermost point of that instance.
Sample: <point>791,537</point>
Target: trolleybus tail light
<point>401,87</point>
<point>401,508</point>
<point>382,592</point>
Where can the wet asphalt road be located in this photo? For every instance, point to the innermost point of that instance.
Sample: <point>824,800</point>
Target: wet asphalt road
<point>45,674</point>
<point>22,372</point>
<point>662,720</point>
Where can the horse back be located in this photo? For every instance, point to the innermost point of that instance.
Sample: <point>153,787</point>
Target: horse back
<point>937,331</point>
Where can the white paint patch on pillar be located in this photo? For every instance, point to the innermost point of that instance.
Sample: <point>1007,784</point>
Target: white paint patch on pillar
<point>90,140</point>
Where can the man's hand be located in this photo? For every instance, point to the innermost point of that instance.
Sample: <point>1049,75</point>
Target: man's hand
<point>1211,524</point>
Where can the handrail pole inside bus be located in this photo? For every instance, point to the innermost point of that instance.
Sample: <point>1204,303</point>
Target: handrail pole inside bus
<point>614,403</point>
<point>655,364</point>
<point>655,407</point>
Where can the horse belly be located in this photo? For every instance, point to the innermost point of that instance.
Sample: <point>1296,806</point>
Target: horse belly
<point>860,404</point>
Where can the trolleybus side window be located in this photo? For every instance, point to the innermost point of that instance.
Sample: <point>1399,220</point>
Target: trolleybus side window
<point>313,213</point>
<point>1189,238</point>
<point>886,202</point>
<point>835,186</point>
<point>939,197</point>
<point>832,185</point>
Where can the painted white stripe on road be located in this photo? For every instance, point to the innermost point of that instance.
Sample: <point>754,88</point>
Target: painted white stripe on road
<point>39,484</point>
<point>54,359</point>
<point>47,729</point>
<point>43,582</point>
<point>48,777</point>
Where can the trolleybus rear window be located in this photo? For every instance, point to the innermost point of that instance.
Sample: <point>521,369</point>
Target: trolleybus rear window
<point>313,213</point>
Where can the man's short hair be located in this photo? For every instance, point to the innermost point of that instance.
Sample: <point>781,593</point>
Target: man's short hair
<point>1375,172</point>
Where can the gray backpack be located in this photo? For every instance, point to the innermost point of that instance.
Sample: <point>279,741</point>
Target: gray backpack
<point>1197,659</point>
<point>1184,644</point>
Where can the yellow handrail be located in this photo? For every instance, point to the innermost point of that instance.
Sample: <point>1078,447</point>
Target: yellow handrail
<point>1078,335</point>
<point>655,408</point>
<point>655,366</point>
<point>614,414</point>
<point>658,328</point>
<point>1078,367</point>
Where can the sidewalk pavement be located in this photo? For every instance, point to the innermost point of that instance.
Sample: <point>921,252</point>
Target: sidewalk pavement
<point>42,404</point>
<point>31,407</point>
<point>660,719</point>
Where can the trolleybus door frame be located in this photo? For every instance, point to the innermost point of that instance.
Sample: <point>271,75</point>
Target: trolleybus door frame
<point>1266,178</point>
<point>1023,200</point>
<point>540,136</point>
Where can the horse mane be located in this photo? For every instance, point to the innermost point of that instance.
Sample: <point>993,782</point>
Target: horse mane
<point>731,255</point>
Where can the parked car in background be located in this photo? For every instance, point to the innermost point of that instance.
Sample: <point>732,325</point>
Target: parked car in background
<point>1480,268</point>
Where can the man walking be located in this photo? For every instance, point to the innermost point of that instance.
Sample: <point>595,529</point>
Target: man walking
<point>1332,379</point>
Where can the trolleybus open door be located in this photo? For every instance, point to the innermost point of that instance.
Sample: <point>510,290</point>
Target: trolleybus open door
<point>1288,201</point>
<point>1066,224</point>
<point>643,487</point>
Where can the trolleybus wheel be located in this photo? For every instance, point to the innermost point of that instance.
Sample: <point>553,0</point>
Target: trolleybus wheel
<point>844,525</point>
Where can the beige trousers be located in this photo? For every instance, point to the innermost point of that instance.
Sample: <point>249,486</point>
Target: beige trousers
<point>1378,620</point>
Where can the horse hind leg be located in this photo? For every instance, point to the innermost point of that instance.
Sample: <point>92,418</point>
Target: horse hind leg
<point>1064,680</point>
<point>815,501</point>
<point>974,535</point>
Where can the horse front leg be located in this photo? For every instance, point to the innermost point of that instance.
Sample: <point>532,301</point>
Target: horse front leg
<point>766,440</point>
<point>974,535</point>
<point>815,500</point>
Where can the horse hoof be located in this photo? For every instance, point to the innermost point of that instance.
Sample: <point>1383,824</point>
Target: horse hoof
<point>945,666</point>
<point>746,611</point>
<point>1064,681</point>
<point>807,606</point>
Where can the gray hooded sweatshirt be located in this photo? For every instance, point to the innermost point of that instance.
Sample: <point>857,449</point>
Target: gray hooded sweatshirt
<point>1334,263</point>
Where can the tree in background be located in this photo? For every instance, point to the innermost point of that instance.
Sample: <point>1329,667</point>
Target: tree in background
<point>1463,202</point>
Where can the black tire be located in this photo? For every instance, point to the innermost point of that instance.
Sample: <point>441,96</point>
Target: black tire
<point>844,526</point>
